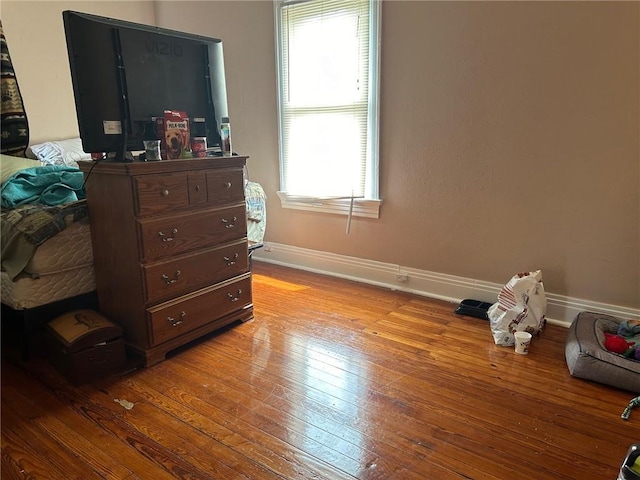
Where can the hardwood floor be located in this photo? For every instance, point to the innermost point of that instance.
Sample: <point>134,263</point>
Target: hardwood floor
<point>332,380</point>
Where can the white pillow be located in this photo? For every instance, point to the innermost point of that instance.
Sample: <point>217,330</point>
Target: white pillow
<point>10,165</point>
<point>60,152</point>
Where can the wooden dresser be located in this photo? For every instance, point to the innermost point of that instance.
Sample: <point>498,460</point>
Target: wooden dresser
<point>170,248</point>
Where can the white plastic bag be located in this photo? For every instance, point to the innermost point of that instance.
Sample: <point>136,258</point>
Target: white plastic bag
<point>521,306</point>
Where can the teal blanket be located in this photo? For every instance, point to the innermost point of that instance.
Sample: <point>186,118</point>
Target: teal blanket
<point>47,185</point>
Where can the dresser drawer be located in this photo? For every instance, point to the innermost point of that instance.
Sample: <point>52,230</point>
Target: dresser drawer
<point>172,319</point>
<point>186,273</point>
<point>225,186</point>
<point>173,235</point>
<point>163,193</point>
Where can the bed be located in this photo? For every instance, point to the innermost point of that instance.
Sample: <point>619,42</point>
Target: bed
<point>47,259</point>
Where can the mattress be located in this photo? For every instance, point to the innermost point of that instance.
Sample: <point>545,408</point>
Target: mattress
<point>69,249</point>
<point>26,292</point>
<point>62,267</point>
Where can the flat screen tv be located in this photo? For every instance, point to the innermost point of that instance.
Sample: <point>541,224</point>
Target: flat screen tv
<point>124,75</point>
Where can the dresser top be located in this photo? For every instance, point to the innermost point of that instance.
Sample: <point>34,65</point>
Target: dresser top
<point>162,166</point>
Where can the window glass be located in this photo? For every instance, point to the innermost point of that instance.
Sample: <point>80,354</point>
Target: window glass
<point>328,98</point>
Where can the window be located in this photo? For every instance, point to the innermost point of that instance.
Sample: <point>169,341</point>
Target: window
<point>328,104</point>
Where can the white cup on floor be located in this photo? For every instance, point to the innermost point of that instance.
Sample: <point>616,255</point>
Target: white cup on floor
<point>523,340</point>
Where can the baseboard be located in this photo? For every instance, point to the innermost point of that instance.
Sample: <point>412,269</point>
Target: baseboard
<point>561,310</point>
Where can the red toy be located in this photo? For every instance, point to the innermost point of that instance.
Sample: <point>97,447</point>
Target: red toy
<point>617,344</point>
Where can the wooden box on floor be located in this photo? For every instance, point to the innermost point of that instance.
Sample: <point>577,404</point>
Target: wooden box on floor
<point>85,346</point>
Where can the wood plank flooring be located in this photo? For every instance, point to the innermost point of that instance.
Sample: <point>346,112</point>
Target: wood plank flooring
<point>332,380</point>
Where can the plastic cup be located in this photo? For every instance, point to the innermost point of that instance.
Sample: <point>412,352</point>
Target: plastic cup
<point>152,150</point>
<point>523,340</point>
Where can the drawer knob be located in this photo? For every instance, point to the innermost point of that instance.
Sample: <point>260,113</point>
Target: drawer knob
<point>231,261</point>
<point>165,193</point>
<point>175,322</point>
<point>234,298</point>
<point>229,225</point>
<point>168,239</point>
<point>169,281</point>
<point>227,185</point>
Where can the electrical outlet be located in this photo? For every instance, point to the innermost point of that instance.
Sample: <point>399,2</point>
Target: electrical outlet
<point>402,277</point>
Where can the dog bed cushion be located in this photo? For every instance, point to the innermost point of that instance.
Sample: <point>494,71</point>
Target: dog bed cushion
<point>587,357</point>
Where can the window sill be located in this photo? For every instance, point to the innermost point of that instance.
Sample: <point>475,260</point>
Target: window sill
<point>338,206</point>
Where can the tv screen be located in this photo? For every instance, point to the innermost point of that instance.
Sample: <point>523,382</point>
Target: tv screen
<point>124,75</point>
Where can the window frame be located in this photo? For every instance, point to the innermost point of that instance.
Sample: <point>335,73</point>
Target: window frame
<point>369,205</point>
